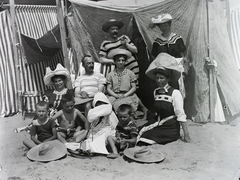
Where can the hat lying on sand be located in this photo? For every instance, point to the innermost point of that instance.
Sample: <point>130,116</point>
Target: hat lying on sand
<point>119,51</point>
<point>144,154</point>
<point>161,62</point>
<point>112,22</point>
<point>48,151</point>
<point>60,70</point>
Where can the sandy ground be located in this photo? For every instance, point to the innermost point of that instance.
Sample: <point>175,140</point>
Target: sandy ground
<point>214,154</point>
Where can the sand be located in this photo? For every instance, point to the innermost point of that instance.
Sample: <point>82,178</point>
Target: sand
<point>213,154</point>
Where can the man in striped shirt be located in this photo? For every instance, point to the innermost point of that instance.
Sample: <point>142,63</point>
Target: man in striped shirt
<point>88,84</point>
<point>112,27</point>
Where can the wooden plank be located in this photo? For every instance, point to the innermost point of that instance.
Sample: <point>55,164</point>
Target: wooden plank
<point>15,51</point>
<point>212,75</point>
<point>60,17</point>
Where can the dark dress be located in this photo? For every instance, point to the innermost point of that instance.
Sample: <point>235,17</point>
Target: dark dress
<point>170,130</point>
<point>55,99</point>
<point>173,46</point>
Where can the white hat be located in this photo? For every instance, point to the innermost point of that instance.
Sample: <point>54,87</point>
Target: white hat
<point>164,61</point>
<point>119,51</point>
<point>162,18</point>
<point>48,151</point>
<point>144,154</point>
<point>60,70</point>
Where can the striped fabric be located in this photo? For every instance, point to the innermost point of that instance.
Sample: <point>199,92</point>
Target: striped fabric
<point>33,21</point>
<point>235,35</point>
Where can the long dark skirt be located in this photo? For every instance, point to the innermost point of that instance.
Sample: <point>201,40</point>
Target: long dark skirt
<point>168,132</point>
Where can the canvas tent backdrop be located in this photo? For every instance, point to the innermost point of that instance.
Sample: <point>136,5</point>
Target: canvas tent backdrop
<point>34,22</point>
<point>191,22</point>
<point>235,35</point>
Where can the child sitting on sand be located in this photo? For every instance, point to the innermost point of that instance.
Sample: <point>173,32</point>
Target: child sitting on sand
<point>126,134</point>
<point>70,121</point>
<point>43,128</point>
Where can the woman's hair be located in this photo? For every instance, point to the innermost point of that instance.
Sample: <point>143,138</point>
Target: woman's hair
<point>67,98</point>
<point>59,76</point>
<point>125,107</point>
<point>165,72</point>
<point>119,55</point>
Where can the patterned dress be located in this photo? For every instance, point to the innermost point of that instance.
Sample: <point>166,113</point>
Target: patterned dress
<point>165,127</point>
<point>107,46</point>
<point>54,98</point>
<point>121,83</point>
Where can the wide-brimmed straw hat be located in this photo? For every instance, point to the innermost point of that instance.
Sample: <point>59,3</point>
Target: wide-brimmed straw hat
<point>60,70</point>
<point>164,61</point>
<point>162,18</point>
<point>48,151</point>
<point>119,51</point>
<point>144,154</point>
<point>112,22</point>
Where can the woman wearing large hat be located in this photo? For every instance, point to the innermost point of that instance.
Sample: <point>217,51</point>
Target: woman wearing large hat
<point>59,78</point>
<point>168,104</point>
<point>170,43</point>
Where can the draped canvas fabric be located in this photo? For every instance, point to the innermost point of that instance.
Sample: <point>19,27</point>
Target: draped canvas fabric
<point>43,48</point>
<point>32,21</point>
<point>190,20</point>
<point>235,32</point>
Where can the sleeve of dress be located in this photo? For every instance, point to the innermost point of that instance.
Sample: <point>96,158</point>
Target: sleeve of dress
<point>154,49</point>
<point>178,106</point>
<point>181,46</point>
<point>47,95</point>
<point>133,77</point>
<point>109,79</point>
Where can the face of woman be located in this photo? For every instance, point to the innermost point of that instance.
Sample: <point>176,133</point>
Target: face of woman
<point>120,62</point>
<point>165,27</point>
<point>161,80</point>
<point>59,83</point>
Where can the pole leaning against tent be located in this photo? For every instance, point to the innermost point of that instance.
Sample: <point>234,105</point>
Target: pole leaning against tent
<point>60,18</point>
<point>212,76</point>
<point>15,51</point>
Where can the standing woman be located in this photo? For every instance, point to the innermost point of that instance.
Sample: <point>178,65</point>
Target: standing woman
<point>168,105</point>
<point>58,79</point>
<point>170,43</point>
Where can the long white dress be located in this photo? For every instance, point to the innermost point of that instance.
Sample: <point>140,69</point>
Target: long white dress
<point>103,124</point>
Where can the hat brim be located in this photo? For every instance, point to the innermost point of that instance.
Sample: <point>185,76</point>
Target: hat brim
<point>119,51</point>
<point>156,155</point>
<point>48,77</point>
<point>58,151</point>
<point>107,25</point>
<point>166,61</point>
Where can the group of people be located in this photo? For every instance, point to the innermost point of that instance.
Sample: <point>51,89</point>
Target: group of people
<point>99,111</point>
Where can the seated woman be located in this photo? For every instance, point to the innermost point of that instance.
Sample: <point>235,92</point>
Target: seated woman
<point>103,124</point>
<point>168,105</point>
<point>121,83</point>
<point>58,79</point>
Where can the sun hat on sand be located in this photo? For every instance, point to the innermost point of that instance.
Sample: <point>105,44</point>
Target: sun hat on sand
<point>112,22</point>
<point>119,51</point>
<point>144,154</point>
<point>48,151</point>
<point>162,62</point>
<point>60,70</point>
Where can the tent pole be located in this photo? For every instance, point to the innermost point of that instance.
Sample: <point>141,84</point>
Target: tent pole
<point>212,76</point>
<point>15,51</point>
<point>60,17</point>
